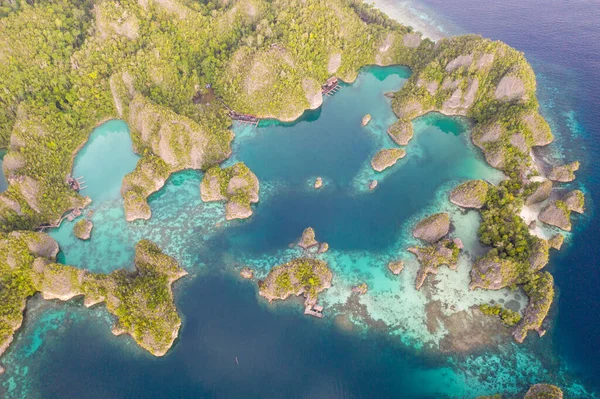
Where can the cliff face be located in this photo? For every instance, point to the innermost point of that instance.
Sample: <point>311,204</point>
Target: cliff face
<point>142,301</point>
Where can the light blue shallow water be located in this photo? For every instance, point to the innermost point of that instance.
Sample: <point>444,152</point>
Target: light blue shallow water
<point>68,352</point>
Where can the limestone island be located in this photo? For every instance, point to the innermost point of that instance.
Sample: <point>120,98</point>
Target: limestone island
<point>558,213</point>
<point>433,227</point>
<point>301,276</point>
<point>236,185</point>
<point>366,119</point>
<point>470,194</point>
<point>319,182</point>
<point>564,173</point>
<point>141,300</point>
<point>83,229</point>
<point>387,158</point>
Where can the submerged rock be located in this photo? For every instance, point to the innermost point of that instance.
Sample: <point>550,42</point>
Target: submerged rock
<point>470,194</point>
<point>308,239</point>
<point>83,229</point>
<point>401,132</point>
<point>386,158</point>
<point>237,185</point>
<point>544,391</point>
<point>432,228</point>
<point>373,185</point>
<point>541,192</point>
<point>302,276</point>
<point>247,273</point>
<point>360,289</point>
<point>318,182</point>
<point>366,119</point>
<point>564,173</point>
<point>396,266</point>
<point>444,252</point>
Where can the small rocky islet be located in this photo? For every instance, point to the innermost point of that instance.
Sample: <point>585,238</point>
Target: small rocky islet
<point>486,81</point>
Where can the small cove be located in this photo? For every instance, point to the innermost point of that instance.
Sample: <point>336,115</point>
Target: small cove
<point>224,318</point>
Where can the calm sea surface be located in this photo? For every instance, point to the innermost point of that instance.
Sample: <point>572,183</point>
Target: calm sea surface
<point>234,345</point>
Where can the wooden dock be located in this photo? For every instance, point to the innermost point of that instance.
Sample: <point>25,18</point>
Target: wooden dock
<point>330,87</point>
<point>314,310</point>
<point>244,119</point>
<point>76,184</point>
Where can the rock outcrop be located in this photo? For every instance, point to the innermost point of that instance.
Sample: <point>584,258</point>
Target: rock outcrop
<point>83,229</point>
<point>323,247</point>
<point>470,194</point>
<point>444,252</point>
<point>396,266</point>
<point>366,119</point>
<point>544,391</point>
<point>564,173</point>
<point>373,185</point>
<point>556,241</point>
<point>387,158</point>
<point>141,300</point>
<point>247,273</point>
<point>236,185</point>
<point>433,227</point>
<point>308,239</point>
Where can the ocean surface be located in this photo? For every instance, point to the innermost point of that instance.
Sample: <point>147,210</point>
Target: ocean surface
<point>233,344</point>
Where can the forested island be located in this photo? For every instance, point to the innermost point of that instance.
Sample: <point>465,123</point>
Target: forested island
<point>178,70</point>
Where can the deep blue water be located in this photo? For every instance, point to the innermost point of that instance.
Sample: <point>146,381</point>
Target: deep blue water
<point>561,39</point>
<point>66,351</point>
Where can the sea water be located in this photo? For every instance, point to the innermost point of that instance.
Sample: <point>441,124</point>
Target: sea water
<point>232,343</point>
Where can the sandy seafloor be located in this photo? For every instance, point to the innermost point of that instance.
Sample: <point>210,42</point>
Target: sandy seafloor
<point>377,345</point>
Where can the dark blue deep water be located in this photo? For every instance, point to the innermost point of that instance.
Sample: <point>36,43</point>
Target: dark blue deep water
<point>234,345</point>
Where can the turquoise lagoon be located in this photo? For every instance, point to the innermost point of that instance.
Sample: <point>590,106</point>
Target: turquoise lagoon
<point>375,346</point>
